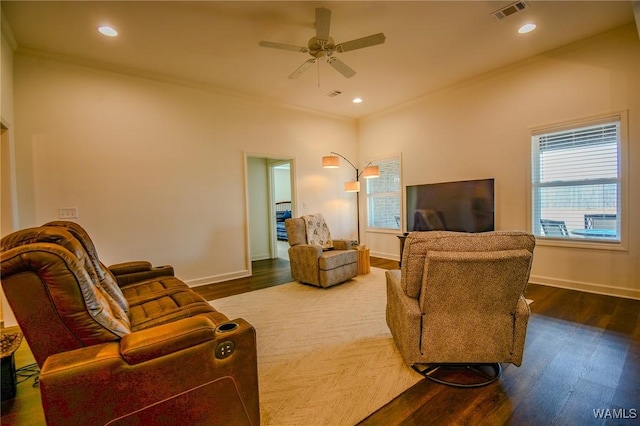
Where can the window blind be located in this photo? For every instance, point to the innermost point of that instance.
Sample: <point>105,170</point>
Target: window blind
<point>576,178</point>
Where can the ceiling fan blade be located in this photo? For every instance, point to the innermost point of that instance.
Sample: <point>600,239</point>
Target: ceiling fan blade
<point>283,46</point>
<point>302,68</point>
<point>341,67</point>
<point>359,43</point>
<point>323,23</point>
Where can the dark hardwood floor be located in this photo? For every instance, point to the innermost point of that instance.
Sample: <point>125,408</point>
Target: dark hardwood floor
<point>582,354</point>
<point>265,273</point>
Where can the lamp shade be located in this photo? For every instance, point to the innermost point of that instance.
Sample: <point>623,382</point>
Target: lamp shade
<point>353,186</point>
<point>371,172</point>
<point>331,162</point>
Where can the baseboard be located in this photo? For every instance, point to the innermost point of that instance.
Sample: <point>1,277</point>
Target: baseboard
<point>627,293</point>
<point>263,256</point>
<point>217,278</point>
<point>389,256</point>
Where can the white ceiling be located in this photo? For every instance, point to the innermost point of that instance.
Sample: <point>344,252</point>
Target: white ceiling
<point>429,44</point>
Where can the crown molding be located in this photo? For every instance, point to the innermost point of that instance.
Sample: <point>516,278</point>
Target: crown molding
<point>7,33</point>
<point>154,76</point>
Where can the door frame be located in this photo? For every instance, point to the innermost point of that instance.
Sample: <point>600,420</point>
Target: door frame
<point>272,232</point>
<point>273,235</point>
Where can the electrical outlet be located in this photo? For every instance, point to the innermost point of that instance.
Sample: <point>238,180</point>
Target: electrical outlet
<point>68,213</point>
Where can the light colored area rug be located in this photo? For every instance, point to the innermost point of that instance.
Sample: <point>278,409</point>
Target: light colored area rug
<point>325,356</point>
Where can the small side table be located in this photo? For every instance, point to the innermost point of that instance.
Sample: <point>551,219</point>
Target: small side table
<point>364,262</point>
<point>10,344</point>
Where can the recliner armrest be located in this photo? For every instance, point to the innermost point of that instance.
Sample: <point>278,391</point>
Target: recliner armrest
<point>98,385</point>
<point>164,339</point>
<point>342,245</point>
<point>140,270</point>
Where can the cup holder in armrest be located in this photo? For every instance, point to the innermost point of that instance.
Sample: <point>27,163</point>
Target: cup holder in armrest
<point>226,327</point>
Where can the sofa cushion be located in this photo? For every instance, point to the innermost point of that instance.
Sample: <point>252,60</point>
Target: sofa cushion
<point>336,258</point>
<point>144,289</point>
<point>171,307</point>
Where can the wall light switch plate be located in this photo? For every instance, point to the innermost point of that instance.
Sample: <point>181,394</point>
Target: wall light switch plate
<point>68,213</point>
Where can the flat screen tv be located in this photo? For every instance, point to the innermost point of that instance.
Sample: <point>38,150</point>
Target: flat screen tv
<point>464,206</point>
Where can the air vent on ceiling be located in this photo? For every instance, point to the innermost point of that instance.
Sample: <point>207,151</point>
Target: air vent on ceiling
<point>510,10</point>
<point>334,93</point>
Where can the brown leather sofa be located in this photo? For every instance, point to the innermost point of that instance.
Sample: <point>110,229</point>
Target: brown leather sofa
<point>134,347</point>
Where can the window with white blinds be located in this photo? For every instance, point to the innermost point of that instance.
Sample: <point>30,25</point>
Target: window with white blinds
<point>576,182</point>
<point>384,197</point>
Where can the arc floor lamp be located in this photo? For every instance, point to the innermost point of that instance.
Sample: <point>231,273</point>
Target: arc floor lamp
<point>332,161</point>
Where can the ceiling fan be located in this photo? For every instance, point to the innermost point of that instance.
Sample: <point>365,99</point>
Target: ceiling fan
<point>323,46</point>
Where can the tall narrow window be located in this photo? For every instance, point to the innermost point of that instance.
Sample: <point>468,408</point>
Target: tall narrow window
<point>384,199</point>
<point>576,182</point>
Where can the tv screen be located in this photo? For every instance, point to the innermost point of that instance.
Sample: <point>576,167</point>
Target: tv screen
<point>465,206</point>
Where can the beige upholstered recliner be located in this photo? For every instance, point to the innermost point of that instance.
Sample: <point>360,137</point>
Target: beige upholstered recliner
<point>313,264</point>
<point>458,301</point>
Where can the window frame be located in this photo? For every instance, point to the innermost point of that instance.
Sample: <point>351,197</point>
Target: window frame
<point>377,162</point>
<point>623,198</point>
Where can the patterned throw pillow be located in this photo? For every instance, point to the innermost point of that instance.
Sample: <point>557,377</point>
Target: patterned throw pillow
<point>318,231</point>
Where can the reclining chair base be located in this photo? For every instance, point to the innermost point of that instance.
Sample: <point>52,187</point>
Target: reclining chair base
<point>460,375</point>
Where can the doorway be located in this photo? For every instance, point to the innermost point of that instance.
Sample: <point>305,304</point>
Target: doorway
<point>269,184</point>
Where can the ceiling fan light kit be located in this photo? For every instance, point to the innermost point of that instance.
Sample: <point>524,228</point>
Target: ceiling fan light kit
<point>323,46</point>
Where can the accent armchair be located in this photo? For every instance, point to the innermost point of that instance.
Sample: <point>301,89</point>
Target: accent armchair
<point>311,263</point>
<point>149,352</point>
<point>458,302</point>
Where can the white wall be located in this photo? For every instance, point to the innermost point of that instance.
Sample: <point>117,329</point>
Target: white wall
<point>6,159</point>
<point>481,129</point>
<point>156,170</point>
<point>6,151</point>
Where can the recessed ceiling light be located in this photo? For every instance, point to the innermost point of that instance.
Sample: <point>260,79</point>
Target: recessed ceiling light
<point>527,28</point>
<point>357,100</point>
<point>108,31</point>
